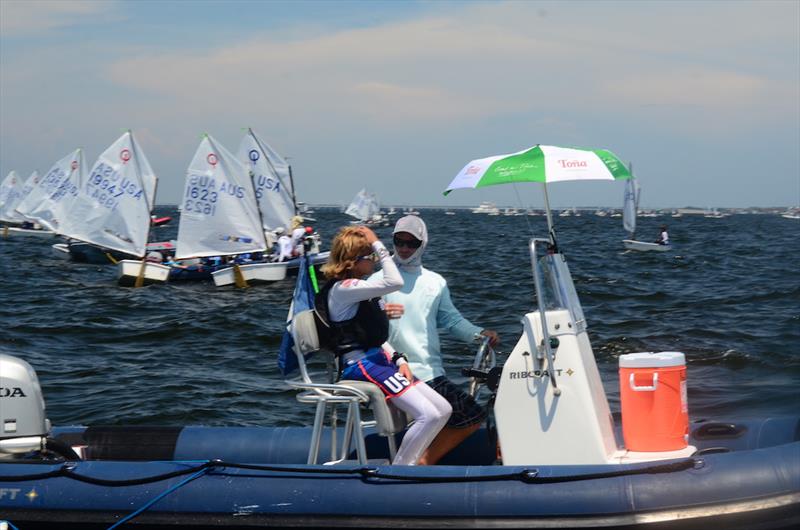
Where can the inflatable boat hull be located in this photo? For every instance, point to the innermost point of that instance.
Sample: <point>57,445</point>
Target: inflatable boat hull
<point>745,475</point>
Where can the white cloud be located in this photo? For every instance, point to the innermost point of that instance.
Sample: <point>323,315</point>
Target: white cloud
<point>470,80</point>
<point>475,63</point>
<point>30,17</point>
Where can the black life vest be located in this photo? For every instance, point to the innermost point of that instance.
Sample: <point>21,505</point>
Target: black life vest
<point>369,328</point>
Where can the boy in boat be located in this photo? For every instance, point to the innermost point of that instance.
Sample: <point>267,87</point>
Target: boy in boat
<point>425,304</point>
<point>360,327</point>
<point>663,237</point>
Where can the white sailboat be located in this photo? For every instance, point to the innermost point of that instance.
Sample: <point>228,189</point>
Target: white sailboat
<point>112,208</point>
<point>273,188</point>
<point>629,210</point>
<point>272,182</point>
<point>365,209</point>
<point>50,199</point>
<point>220,214</point>
<point>10,191</point>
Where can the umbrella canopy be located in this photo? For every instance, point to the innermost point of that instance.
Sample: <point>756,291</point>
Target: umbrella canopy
<point>542,163</point>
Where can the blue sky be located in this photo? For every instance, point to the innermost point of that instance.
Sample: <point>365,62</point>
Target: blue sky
<point>702,97</point>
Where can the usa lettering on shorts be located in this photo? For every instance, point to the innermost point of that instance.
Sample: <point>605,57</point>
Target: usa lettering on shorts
<point>396,383</point>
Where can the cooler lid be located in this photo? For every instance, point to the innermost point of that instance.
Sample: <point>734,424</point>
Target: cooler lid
<point>652,360</point>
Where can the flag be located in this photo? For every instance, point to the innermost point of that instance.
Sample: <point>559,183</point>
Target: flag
<point>302,301</point>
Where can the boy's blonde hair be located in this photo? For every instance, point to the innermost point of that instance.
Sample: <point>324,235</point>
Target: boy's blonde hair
<point>347,246</point>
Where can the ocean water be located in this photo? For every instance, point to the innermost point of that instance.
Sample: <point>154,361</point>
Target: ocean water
<point>728,296</point>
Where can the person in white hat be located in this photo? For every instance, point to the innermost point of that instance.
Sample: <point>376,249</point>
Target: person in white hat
<point>416,312</point>
<point>285,248</point>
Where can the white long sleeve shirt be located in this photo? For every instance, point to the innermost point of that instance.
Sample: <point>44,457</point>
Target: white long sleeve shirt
<point>345,295</point>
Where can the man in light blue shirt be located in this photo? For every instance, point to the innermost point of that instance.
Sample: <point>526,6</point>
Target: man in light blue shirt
<point>425,305</point>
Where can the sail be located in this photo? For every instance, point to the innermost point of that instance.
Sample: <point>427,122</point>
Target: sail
<point>49,201</point>
<point>112,208</point>
<point>10,192</point>
<point>631,204</point>
<point>271,181</point>
<point>10,209</point>
<point>363,206</point>
<point>374,206</point>
<point>220,214</point>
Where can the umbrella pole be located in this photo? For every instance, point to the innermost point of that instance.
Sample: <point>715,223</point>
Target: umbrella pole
<point>551,233</point>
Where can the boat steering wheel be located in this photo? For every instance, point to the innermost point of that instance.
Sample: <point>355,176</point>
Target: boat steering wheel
<point>485,360</point>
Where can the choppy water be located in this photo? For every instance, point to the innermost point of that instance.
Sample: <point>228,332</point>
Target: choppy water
<point>728,296</point>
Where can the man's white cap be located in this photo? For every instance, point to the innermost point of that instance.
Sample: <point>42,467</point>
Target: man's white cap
<point>413,225</point>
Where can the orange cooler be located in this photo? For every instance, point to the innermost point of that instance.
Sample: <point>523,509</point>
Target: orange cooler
<point>655,414</point>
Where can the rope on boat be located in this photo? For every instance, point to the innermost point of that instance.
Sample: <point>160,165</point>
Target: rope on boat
<point>367,474</point>
<point>158,498</point>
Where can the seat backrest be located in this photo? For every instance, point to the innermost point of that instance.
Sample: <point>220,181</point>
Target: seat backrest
<point>305,335</point>
<point>331,371</point>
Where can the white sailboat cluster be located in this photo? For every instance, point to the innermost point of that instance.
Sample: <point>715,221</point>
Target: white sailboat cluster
<point>13,191</point>
<point>49,201</point>
<point>233,205</point>
<point>107,209</point>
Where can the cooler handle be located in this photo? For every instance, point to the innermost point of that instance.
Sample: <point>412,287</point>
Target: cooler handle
<point>644,388</point>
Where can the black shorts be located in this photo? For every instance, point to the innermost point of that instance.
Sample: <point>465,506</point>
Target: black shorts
<point>466,411</point>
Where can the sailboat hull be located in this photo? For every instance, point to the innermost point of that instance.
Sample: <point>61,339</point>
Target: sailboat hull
<point>631,244</point>
<point>129,270</point>
<point>264,272</point>
<point>81,252</point>
<point>251,272</point>
<point>16,231</point>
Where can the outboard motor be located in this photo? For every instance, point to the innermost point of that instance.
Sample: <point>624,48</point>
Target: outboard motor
<point>23,426</point>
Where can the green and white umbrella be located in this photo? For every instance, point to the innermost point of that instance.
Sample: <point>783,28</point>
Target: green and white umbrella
<point>541,163</point>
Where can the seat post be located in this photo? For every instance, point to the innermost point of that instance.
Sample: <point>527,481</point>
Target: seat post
<point>392,447</point>
<point>361,448</point>
<point>316,433</point>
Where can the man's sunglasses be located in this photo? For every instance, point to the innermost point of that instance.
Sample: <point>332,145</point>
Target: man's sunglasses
<point>408,243</point>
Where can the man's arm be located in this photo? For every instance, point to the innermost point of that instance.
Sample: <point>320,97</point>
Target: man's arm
<point>449,318</point>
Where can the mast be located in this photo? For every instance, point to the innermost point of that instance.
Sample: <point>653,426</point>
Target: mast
<point>635,199</point>
<point>141,181</point>
<point>252,174</point>
<point>291,183</point>
<point>551,232</point>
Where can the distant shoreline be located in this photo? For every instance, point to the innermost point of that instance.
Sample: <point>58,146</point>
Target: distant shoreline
<point>685,210</point>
